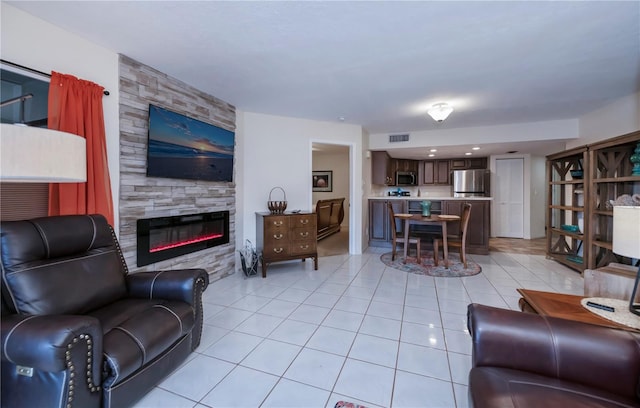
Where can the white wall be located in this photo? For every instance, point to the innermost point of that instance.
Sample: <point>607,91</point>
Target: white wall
<point>364,189</point>
<point>34,43</point>
<point>276,151</point>
<point>537,197</point>
<point>540,131</point>
<point>620,117</point>
<point>338,163</point>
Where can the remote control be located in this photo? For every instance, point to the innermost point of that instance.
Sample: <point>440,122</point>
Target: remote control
<point>599,306</point>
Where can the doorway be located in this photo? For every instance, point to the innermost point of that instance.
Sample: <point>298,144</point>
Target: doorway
<point>509,198</point>
<point>333,158</point>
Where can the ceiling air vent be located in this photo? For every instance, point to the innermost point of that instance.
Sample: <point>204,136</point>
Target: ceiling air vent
<point>398,138</point>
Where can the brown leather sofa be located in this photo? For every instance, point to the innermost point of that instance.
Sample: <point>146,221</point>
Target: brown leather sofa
<point>525,360</point>
<point>78,330</point>
<point>330,215</point>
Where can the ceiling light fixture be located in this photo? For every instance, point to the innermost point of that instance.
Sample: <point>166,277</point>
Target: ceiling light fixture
<point>431,155</point>
<point>433,150</point>
<point>475,148</point>
<point>440,111</point>
<point>468,154</point>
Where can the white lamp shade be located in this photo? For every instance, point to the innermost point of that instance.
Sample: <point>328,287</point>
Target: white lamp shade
<point>38,155</point>
<point>626,231</point>
<point>440,111</point>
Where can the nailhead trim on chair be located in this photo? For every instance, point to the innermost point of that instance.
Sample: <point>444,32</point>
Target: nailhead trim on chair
<point>115,241</point>
<point>199,285</point>
<point>71,367</point>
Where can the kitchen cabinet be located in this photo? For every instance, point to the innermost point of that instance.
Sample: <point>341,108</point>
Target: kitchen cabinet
<point>283,237</point>
<point>430,172</point>
<point>566,207</point>
<point>435,172</point>
<point>379,223</point>
<point>428,175</point>
<point>479,223</point>
<point>443,174</point>
<point>406,165</point>
<point>476,163</point>
<point>382,168</point>
<point>478,230</point>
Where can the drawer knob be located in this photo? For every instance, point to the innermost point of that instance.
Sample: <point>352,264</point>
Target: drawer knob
<point>279,236</point>
<point>305,221</point>
<point>278,250</point>
<point>304,234</point>
<point>277,223</point>
<point>304,246</point>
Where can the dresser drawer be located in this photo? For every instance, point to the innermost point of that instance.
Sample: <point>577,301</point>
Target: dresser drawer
<point>303,221</point>
<point>303,247</point>
<point>276,234</point>
<point>302,234</point>
<point>274,250</point>
<point>276,221</point>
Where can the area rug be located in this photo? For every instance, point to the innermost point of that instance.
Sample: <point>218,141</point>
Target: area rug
<point>347,404</point>
<point>426,267</point>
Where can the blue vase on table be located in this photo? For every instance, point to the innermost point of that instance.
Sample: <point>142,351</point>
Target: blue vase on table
<point>426,208</point>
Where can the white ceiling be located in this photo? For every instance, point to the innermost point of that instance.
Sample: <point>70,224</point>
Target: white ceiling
<point>378,64</point>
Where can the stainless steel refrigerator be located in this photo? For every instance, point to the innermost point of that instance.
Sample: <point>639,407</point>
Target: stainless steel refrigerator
<point>470,183</point>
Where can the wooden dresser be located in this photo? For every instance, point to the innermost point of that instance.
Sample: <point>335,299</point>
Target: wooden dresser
<point>283,237</point>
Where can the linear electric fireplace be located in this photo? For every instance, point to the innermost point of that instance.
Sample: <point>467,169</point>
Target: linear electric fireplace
<point>167,237</point>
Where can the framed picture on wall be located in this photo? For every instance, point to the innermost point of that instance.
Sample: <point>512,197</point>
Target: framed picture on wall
<point>322,181</point>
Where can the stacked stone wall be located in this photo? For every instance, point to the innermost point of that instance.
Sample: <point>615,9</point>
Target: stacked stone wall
<point>149,197</point>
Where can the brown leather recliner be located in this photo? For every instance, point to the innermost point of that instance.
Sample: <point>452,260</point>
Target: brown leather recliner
<point>527,360</point>
<point>78,330</point>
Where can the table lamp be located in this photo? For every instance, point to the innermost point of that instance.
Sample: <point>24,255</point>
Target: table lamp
<point>626,242</point>
<point>40,155</point>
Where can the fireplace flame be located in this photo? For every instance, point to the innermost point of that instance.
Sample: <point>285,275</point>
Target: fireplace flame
<point>164,247</point>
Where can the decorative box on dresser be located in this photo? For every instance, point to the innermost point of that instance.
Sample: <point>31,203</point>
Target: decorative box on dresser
<point>284,237</point>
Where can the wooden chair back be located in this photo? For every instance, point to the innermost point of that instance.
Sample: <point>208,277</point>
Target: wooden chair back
<point>392,220</point>
<point>464,221</point>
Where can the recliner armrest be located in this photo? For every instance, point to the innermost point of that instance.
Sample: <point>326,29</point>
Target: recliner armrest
<point>47,342</point>
<point>593,355</point>
<point>180,284</point>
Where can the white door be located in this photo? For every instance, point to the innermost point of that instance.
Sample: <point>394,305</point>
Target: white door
<point>509,198</point>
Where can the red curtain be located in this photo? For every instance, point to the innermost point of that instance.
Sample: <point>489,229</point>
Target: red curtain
<point>75,106</point>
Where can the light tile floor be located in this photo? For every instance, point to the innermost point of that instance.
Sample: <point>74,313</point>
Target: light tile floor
<point>353,330</point>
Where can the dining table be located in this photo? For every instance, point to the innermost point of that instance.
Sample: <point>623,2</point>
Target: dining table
<point>439,219</point>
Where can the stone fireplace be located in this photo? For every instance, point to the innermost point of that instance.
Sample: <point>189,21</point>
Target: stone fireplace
<point>144,198</point>
<point>168,237</point>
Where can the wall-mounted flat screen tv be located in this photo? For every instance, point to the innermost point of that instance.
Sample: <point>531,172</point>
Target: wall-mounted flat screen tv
<point>186,148</point>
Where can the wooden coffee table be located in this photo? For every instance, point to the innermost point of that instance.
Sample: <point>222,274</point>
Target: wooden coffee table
<point>563,306</point>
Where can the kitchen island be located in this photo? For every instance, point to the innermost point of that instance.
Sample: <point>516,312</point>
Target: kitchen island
<point>477,232</point>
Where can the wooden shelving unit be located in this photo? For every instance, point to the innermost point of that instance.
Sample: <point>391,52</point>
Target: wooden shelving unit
<point>610,177</point>
<point>566,205</point>
<point>606,176</point>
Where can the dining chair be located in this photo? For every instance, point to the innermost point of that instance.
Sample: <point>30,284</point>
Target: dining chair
<point>398,238</point>
<point>456,240</point>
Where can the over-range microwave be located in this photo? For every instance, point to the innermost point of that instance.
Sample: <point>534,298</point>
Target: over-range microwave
<point>406,178</point>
